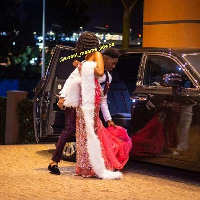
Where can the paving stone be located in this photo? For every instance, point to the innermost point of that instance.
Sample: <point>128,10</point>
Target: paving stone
<point>24,176</point>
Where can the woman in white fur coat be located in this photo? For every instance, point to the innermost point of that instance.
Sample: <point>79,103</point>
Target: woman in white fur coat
<point>100,151</point>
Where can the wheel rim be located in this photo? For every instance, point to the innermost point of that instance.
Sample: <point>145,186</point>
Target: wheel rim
<point>69,149</point>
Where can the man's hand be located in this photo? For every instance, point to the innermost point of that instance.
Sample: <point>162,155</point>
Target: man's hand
<point>111,123</point>
<point>60,103</point>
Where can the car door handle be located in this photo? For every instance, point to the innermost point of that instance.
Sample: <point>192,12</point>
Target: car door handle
<point>151,88</point>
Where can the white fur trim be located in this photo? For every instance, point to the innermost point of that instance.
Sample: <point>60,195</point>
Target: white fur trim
<point>73,92</point>
<point>93,143</point>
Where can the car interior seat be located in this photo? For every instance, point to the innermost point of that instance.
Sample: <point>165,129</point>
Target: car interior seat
<point>119,102</point>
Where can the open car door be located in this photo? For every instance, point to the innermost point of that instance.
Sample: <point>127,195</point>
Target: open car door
<point>48,118</point>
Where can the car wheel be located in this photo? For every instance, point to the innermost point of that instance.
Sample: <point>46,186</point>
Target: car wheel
<point>69,152</point>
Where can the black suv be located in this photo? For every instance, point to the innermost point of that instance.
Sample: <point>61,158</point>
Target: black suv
<point>146,82</point>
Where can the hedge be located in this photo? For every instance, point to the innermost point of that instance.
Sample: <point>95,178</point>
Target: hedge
<point>25,119</point>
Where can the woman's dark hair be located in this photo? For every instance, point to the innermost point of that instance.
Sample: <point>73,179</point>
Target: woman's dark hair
<point>87,41</point>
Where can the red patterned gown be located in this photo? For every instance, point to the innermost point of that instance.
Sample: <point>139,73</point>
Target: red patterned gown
<point>115,142</point>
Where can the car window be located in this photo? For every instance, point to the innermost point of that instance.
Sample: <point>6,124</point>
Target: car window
<point>194,60</point>
<point>158,66</point>
<point>63,69</point>
<point>127,70</point>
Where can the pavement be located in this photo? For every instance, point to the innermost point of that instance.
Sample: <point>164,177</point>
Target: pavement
<point>24,176</point>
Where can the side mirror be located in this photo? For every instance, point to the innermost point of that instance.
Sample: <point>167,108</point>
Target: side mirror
<point>172,80</point>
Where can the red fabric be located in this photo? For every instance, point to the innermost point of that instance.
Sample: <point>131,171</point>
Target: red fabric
<point>115,142</point>
<point>116,145</point>
<point>148,140</point>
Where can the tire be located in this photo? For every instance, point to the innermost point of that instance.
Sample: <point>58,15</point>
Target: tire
<point>69,152</point>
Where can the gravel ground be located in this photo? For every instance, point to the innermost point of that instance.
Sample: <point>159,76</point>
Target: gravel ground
<point>24,176</point>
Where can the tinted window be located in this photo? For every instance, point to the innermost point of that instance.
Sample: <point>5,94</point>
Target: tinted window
<point>194,60</point>
<point>127,69</point>
<point>64,69</point>
<point>157,66</point>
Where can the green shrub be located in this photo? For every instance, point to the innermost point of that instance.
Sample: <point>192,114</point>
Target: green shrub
<point>2,119</point>
<point>25,119</point>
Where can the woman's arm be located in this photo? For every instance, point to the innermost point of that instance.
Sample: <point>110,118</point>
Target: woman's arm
<point>99,69</point>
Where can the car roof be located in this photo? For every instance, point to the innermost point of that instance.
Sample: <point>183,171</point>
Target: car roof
<point>125,52</point>
<point>176,51</point>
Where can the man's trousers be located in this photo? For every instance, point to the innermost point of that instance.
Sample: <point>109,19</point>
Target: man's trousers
<point>68,133</point>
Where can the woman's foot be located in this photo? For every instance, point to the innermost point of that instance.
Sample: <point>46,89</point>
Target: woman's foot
<point>85,176</point>
<point>76,175</point>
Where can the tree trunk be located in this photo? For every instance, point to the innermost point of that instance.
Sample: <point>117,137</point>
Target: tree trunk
<point>126,29</point>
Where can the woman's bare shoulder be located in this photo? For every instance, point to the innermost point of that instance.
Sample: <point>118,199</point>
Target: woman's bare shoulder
<point>97,53</point>
<point>94,56</point>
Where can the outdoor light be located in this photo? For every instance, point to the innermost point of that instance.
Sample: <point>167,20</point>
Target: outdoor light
<point>3,33</point>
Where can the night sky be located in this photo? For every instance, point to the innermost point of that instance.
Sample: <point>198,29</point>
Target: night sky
<point>112,15</point>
